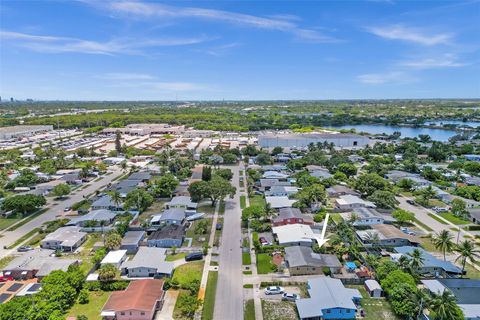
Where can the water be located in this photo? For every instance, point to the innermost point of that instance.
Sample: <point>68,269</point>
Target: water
<point>407,132</point>
<point>473,124</point>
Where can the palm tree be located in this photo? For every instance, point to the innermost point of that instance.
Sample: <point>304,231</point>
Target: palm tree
<point>116,198</point>
<point>353,218</point>
<point>443,241</point>
<point>416,260</point>
<point>123,165</point>
<point>467,251</point>
<point>445,307</point>
<point>404,264</point>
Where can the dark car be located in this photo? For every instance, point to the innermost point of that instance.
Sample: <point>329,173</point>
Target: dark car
<point>411,202</point>
<point>194,256</point>
<point>218,226</point>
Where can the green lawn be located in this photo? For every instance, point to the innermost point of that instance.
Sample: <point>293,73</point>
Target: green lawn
<point>374,308</point>
<point>257,199</point>
<point>5,261</point>
<point>196,237</point>
<point>246,258</point>
<point>421,224</point>
<point>7,222</point>
<point>454,219</point>
<point>431,215</point>
<point>337,218</point>
<point>243,202</point>
<point>29,218</point>
<point>209,301</point>
<point>24,238</point>
<point>188,272</point>
<point>221,209</point>
<point>177,256</point>
<point>249,310</point>
<point>264,263</point>
<point>92,308</point>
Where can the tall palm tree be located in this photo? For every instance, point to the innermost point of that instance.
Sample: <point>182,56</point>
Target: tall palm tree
<point>467,251</point>
<point>445,307</point>
<point>116,198</point>
<point>404,264</point>
<point>416,260</point>
<point>443,241</point>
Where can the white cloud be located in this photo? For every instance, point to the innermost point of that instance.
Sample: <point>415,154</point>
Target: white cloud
<point>54,44</point>
<point>400,32</point>
<point>385,78</point>
<point>155,10</point>
<point>444,61</point>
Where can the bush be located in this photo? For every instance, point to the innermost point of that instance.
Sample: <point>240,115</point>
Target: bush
<point>83,296</point>
<point>106,286</point>
<point>82,317</point>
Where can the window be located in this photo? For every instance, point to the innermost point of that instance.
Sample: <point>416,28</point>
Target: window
<point>355,143</point>
<point>142,313</point>
<point>122,313</point>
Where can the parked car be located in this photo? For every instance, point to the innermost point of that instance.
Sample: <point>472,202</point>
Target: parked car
<point>67,209</point>
<point>290,297</point>
<point>218,226</point>
<point>413,203</point>
<point>273,290</point>
<point>439,209</point>
<point>24,248</point>
<point>263,241</point>
<point>5,279</point>
<point>194,256</point>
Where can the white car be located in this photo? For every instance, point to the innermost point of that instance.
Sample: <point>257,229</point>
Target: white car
<point>273,290</point>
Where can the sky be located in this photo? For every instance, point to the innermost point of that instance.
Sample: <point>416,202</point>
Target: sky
<point>239,50</point>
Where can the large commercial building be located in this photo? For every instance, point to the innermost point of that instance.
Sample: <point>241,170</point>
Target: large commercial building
<point>14,132</point>
<point>143,129</point>
<point>301,140</point>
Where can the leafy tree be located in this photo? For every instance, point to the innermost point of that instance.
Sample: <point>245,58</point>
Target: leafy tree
<point>443,242</point>
<point>403,216</point>
<point>263,159</point>
<point>459,208</point>
<point>394,278</point>
<point>229,158</point>
<point>226,174</point>
<point>47,166</point>
<point>277,150</point>
<point>107,272</point>
<point>118,143</point>
<point>217,189</point>
<point>83,296</point>
<point>311,196</point>
<point>196,190</point>
<point>23,203</point>
<point>165,186</point>
<point>138,199</point>
<point>371,182</point>
<point>383,199</point>
<point>424,195</point>
<point>472,167</point>
<point>201,227</point>
<point>255,211</point>
<point>466,251</point>
<point>206,173</point>
<point>348,169</point>
<point>188,304</point>
<point>401,298</point>
<point>113,240</point>
<point>438,151</point>
<point>61,190</point>
<point>406,184</point>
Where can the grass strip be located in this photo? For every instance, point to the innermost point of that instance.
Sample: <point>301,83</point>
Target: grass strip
<point>27,219</point>
<point>209,301</point>
<point>23,238</point>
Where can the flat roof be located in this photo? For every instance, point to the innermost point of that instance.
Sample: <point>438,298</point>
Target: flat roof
<point>114,256</point>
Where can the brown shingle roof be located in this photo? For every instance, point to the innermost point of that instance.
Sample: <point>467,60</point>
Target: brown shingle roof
<point>140,295</point>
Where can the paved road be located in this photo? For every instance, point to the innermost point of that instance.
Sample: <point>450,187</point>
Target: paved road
<point>229,296</point>
<point>9,237</point>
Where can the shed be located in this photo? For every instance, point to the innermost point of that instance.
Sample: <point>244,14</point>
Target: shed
<point>373,288</point>
<point>115,257</point>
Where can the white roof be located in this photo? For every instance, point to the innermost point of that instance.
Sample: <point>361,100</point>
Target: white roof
<point>372,285</point>
<point>114,256</point>
<point>349,199</point>
<point>294,233</point>
<point>279,202</point>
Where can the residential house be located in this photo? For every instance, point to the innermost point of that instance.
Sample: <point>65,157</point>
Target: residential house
<point>472,157</point>
<point>448,198</point>
<point>36,263</point>
<point>301,260</point>
<point>115,257</point>
<point>64,239</point>
<point>167,237</point>
<point>386,235</point>
<point>275,167</point>
<point>140,301</point>
<point>349,202</point>
<point>281,191</point>
<point>101,216</point>
<point>291,216</point>
<point>131,241</point>
<point>142,176</point>
<point>329,299</point>
<point>321,174</point>
<point>431,266</point>
<point>183,202</point>
<point>124,187</point>
<point>275,175</point>
<point>173,215</point>
<point>466,292</point>
<point>72,177</point>
<point>280,202</point>
<point>267,184</point>
<point>338,190</point>
<point>148,262</point>
<point>474,215</point>
<point>105,202</point>
<point>294,235</point>
<point>367,217</point>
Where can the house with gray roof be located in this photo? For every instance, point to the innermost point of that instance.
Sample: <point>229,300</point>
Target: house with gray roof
<point>148,262</point>
<point>98,216</point>
<point>368,217</point>
<point>301,260</point>
<point>125,186</point>
<point>184,202</point>
<point>131,241</point>
<point>169,216</point>
<point>105,202</point>
<point>142,176</point>
<point>64,239</point>
<point>281,191</point>
<point>329,299</point>
<point>431,266</point>
<point>341,190</point>
<point>167,237</point>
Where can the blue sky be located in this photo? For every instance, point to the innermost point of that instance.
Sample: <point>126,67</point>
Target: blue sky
<point>242,50</point>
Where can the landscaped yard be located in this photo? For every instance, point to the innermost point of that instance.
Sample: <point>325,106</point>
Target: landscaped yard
<point>188,272</point>
<point>177,256</point>
<point>92,308</point>
<point>454,219</point>
<point>374,308</point>
<point>197,237</point>
<point>279,310</point>
<point>243,202</point>
<point>257,199</point>
<point>209,301</point>
<point>246,258</point>
<point>264,263</point>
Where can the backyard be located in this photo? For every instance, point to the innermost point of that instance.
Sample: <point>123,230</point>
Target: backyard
<point>279,310</point>
<point>91,309</point>
<point>374,308</point>
<point>264,263</point>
